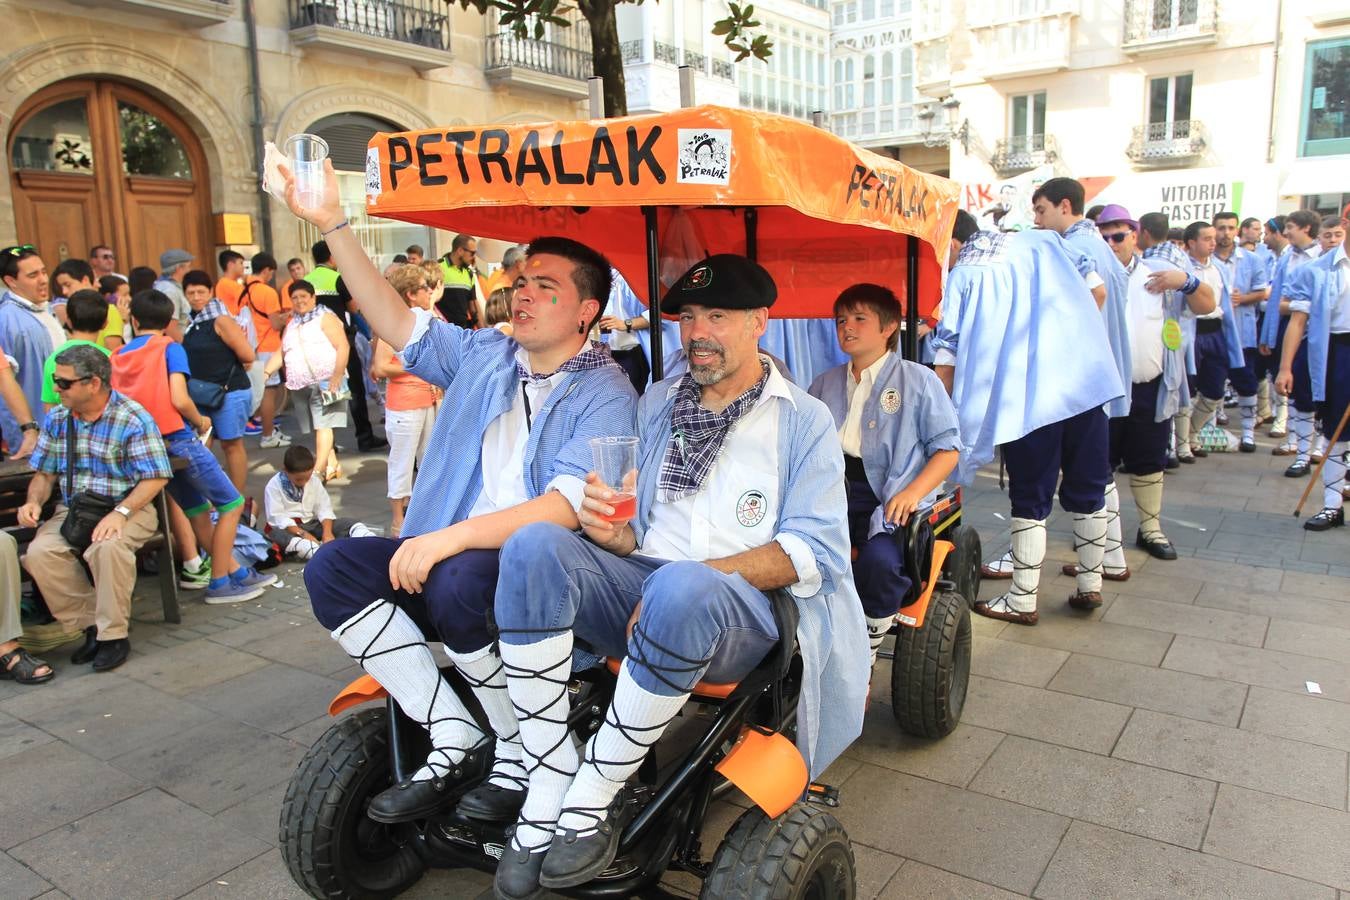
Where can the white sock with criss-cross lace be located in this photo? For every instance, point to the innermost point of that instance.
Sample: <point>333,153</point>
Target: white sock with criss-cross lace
<point>1089,541</point>
<point>1028,552</point>
<point>1113,560</point>
<point>484,672</point>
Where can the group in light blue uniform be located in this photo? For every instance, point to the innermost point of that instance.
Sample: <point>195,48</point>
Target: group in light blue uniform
<point>28,342</point>
<point>1084,237</point>
<point>1273,329</point>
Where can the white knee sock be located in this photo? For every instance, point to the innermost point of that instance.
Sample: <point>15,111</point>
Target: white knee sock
<point>1319,444</point>
<point>483,670</point>
<point>1089,540</point>
<point>636,719</point>
<point>1303,430</point>
<point>1281,422</point>
<point>390,646</point>
<point>1263,399</point>
<point>877,629</point>
<point>536,677</point>
<point>302,548</point>
<point>1028,552</point>
<point>1247,407</point>
<point>1333,476</point>
<point>361,529</point>
<point>1201,412</point>
<point>1113,560</point>
<point>1004,563</point>
<point>1148,491</point>
<point>1181,429</point>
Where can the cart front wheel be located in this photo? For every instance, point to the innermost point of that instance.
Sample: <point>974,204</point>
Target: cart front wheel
<point>931,669</point>
<point>804,853</point>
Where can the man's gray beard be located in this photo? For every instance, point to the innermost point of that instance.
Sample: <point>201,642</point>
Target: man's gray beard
<point>706,375</point>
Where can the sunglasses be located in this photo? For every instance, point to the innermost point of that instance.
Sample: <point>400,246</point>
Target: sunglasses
<point>20,250</point>
<point>65,384</point>
<point>1117,238</point>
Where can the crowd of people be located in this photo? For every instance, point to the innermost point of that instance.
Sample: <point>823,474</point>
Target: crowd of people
<point>1098,343</point>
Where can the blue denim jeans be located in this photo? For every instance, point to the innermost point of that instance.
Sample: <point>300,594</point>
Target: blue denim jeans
<point>203,484</point>
<point>697,624</point>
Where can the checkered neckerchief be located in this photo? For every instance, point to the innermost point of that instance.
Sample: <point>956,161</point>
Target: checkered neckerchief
<point>213,310</point>
<point>300,318</point>
<point>1083,225</point>
<point>696,436</point>
<point>595,356</point>
<point>983,246</point>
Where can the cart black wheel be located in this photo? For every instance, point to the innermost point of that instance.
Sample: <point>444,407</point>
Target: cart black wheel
<point>331,848</point>
<point>963,565</point>
<point>804,854</point>
<point>931,668</point>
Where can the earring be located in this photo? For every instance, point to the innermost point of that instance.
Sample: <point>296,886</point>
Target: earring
<point>581,329</point>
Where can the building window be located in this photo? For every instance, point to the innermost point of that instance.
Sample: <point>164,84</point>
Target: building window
<point>1326,99</point>
<point>869,10</point>
<point>851,12</point>
<point>887,79</point>
<point>848,85</point>
<point>887,10</point>
<point>1169,107</point>
<point>57,139</point>
<point>1026,130</point>
<point>838,84</point>
<point>869,81</point>
<point>907,75</point>
<point>838,14</point>
<point>1170,14</point>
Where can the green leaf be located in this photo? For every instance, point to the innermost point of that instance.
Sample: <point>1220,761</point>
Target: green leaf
<point>723,27</point>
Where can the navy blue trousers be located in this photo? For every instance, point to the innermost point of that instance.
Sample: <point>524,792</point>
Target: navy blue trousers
<point>1302,396</point>
<point>1244,376</point>
<point>347,575</point>
<point>1211,363</point>
<point>1077,449</point>
<point>1265,366</point>
<point>1137,442</point>
<point>879,569</point>
<point>1337,386</point>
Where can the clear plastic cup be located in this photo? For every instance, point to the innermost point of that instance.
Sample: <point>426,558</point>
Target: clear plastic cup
<point>615,461</point>
<point>307,153</point>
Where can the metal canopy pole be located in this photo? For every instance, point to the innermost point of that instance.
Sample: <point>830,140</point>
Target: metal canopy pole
<point>654,294</point>
<point>910,346</point>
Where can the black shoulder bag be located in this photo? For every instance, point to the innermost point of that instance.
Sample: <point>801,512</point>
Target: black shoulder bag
<point>83,510</point>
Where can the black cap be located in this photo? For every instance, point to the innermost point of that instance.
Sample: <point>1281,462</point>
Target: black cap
<point>724,281</point>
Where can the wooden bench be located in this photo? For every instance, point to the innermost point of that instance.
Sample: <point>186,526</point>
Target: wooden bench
<point>15,474</point>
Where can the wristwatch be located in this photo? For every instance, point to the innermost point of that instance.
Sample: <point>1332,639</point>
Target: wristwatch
<point>29,426</point>
<point>126,512</point>
<point>628,325</point>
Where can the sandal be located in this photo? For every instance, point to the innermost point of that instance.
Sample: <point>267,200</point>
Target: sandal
<point>22,666</point>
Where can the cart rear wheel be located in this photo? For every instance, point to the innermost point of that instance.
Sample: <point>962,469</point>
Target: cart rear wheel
<point>963,566</point>
<point>804,854</point>
<point>331,848</point>
<point>931,668</point>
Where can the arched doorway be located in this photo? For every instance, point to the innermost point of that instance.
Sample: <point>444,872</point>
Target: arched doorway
<point>102,162</point>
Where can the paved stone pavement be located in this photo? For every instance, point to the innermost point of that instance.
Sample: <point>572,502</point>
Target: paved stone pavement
<point>1166,745</point>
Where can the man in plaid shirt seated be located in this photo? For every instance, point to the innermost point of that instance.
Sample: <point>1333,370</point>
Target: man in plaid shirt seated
<point>118,453</point>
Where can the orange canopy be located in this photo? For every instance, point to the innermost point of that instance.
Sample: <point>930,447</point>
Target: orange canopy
<point>819,213</point>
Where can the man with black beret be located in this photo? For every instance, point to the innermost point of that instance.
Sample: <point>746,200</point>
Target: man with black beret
<point>740,490</point>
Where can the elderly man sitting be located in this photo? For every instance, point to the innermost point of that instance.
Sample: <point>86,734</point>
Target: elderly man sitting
<point>106,453</point>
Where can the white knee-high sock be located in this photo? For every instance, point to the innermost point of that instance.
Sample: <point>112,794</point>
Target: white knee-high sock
<point>1028,552</point>
<point>1303,430</point>
<point>1247,407</point>
<point>1319,444</point>
<point>386,642</point>
<point>484,672</point>
<point>536,678</point>
<point>636,719</point>
<point>1281,407</point>
<point>1181,430</point>
<point>1148,490</point>
<point>1263,399</point>
<point>1113,560</point>
<point>877,629</point>
<point>1089,540</point>
<point>1201,412</point>
<point>1333,476</point>
<point>361,529</point>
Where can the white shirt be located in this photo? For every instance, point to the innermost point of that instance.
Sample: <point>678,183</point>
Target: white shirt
<point>503,459</point>
<point>282,512</point>
<point>737,508</point>
<point>850,433</point>
<point>1209,274</point>
<point>1144,318</point>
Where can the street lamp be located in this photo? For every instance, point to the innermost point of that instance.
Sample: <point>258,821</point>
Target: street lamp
<point>944,137</point>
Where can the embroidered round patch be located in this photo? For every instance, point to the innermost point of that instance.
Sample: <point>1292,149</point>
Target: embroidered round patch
<point>890,401</point>
<point>751,508</point>
<point>1171,334</point>
<point>698,278</point>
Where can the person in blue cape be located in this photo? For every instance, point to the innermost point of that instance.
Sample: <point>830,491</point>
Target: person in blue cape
<point>1248,287</point>
<point>1158,297</point>
<point>740,490</point>
<point>1319,306</point>
<point>1268,362</point>
<point>1025,355</point>
<point>1300,229</point>
<point>901,439</point>
<point>26,334</point>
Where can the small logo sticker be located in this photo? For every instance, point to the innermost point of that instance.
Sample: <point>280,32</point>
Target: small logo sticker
<point>751,508</point>
<point>890,401</point>
<point>705,156</point>
<point>374,177</point>
<point>699,278</point>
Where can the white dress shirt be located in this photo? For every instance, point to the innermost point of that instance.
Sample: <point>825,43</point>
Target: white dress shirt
<point>850,433</point>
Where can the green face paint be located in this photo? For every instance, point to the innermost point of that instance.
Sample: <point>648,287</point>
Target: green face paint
<point>555,301</point>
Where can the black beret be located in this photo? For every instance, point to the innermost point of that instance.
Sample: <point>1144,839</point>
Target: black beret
<point>724,281</point>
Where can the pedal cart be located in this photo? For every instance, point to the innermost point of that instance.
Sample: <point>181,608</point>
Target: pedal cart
<point>815,211</point>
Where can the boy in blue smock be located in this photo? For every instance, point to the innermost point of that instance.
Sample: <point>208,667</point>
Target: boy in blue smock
<point>901,440</point>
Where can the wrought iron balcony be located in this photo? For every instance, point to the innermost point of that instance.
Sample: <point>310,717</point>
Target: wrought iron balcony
<point>195,13</point>
<point>696,61</point>
<point>666,53</point>
<point>1160,25</point>
<point>723,69</point>
<point>1024,152</point>
<point>632,52</point>
<point>1167,143</point>
<point>414,32</point>
<point>542,65</point>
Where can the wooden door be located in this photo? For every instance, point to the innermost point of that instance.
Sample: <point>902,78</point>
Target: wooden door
<point>137,179</point>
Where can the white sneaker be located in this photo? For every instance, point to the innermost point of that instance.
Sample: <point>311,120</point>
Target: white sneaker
<point>276,439</point>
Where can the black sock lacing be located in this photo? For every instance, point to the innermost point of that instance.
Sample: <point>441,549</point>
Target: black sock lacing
<point>506,773</point>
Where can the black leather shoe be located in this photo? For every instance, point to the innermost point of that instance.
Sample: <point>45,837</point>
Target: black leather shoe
<point>1198,453</point>
<point>1186,458</point>
<point>517,875</point>
<point>410,800</point>
<point>1158,548</point>
<point>111,654</point>
<point>1247,446</point>
<point>573,860</point>
<point>88,649</point>
<point>491,803</point>
<point>1297,469</point>
<point>1173,462</point>
<point>372,446</point>
<point>1326,519</point>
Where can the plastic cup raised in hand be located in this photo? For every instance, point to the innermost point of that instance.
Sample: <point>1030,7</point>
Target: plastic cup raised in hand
<point>307,153</point>
<point>615,461</point>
